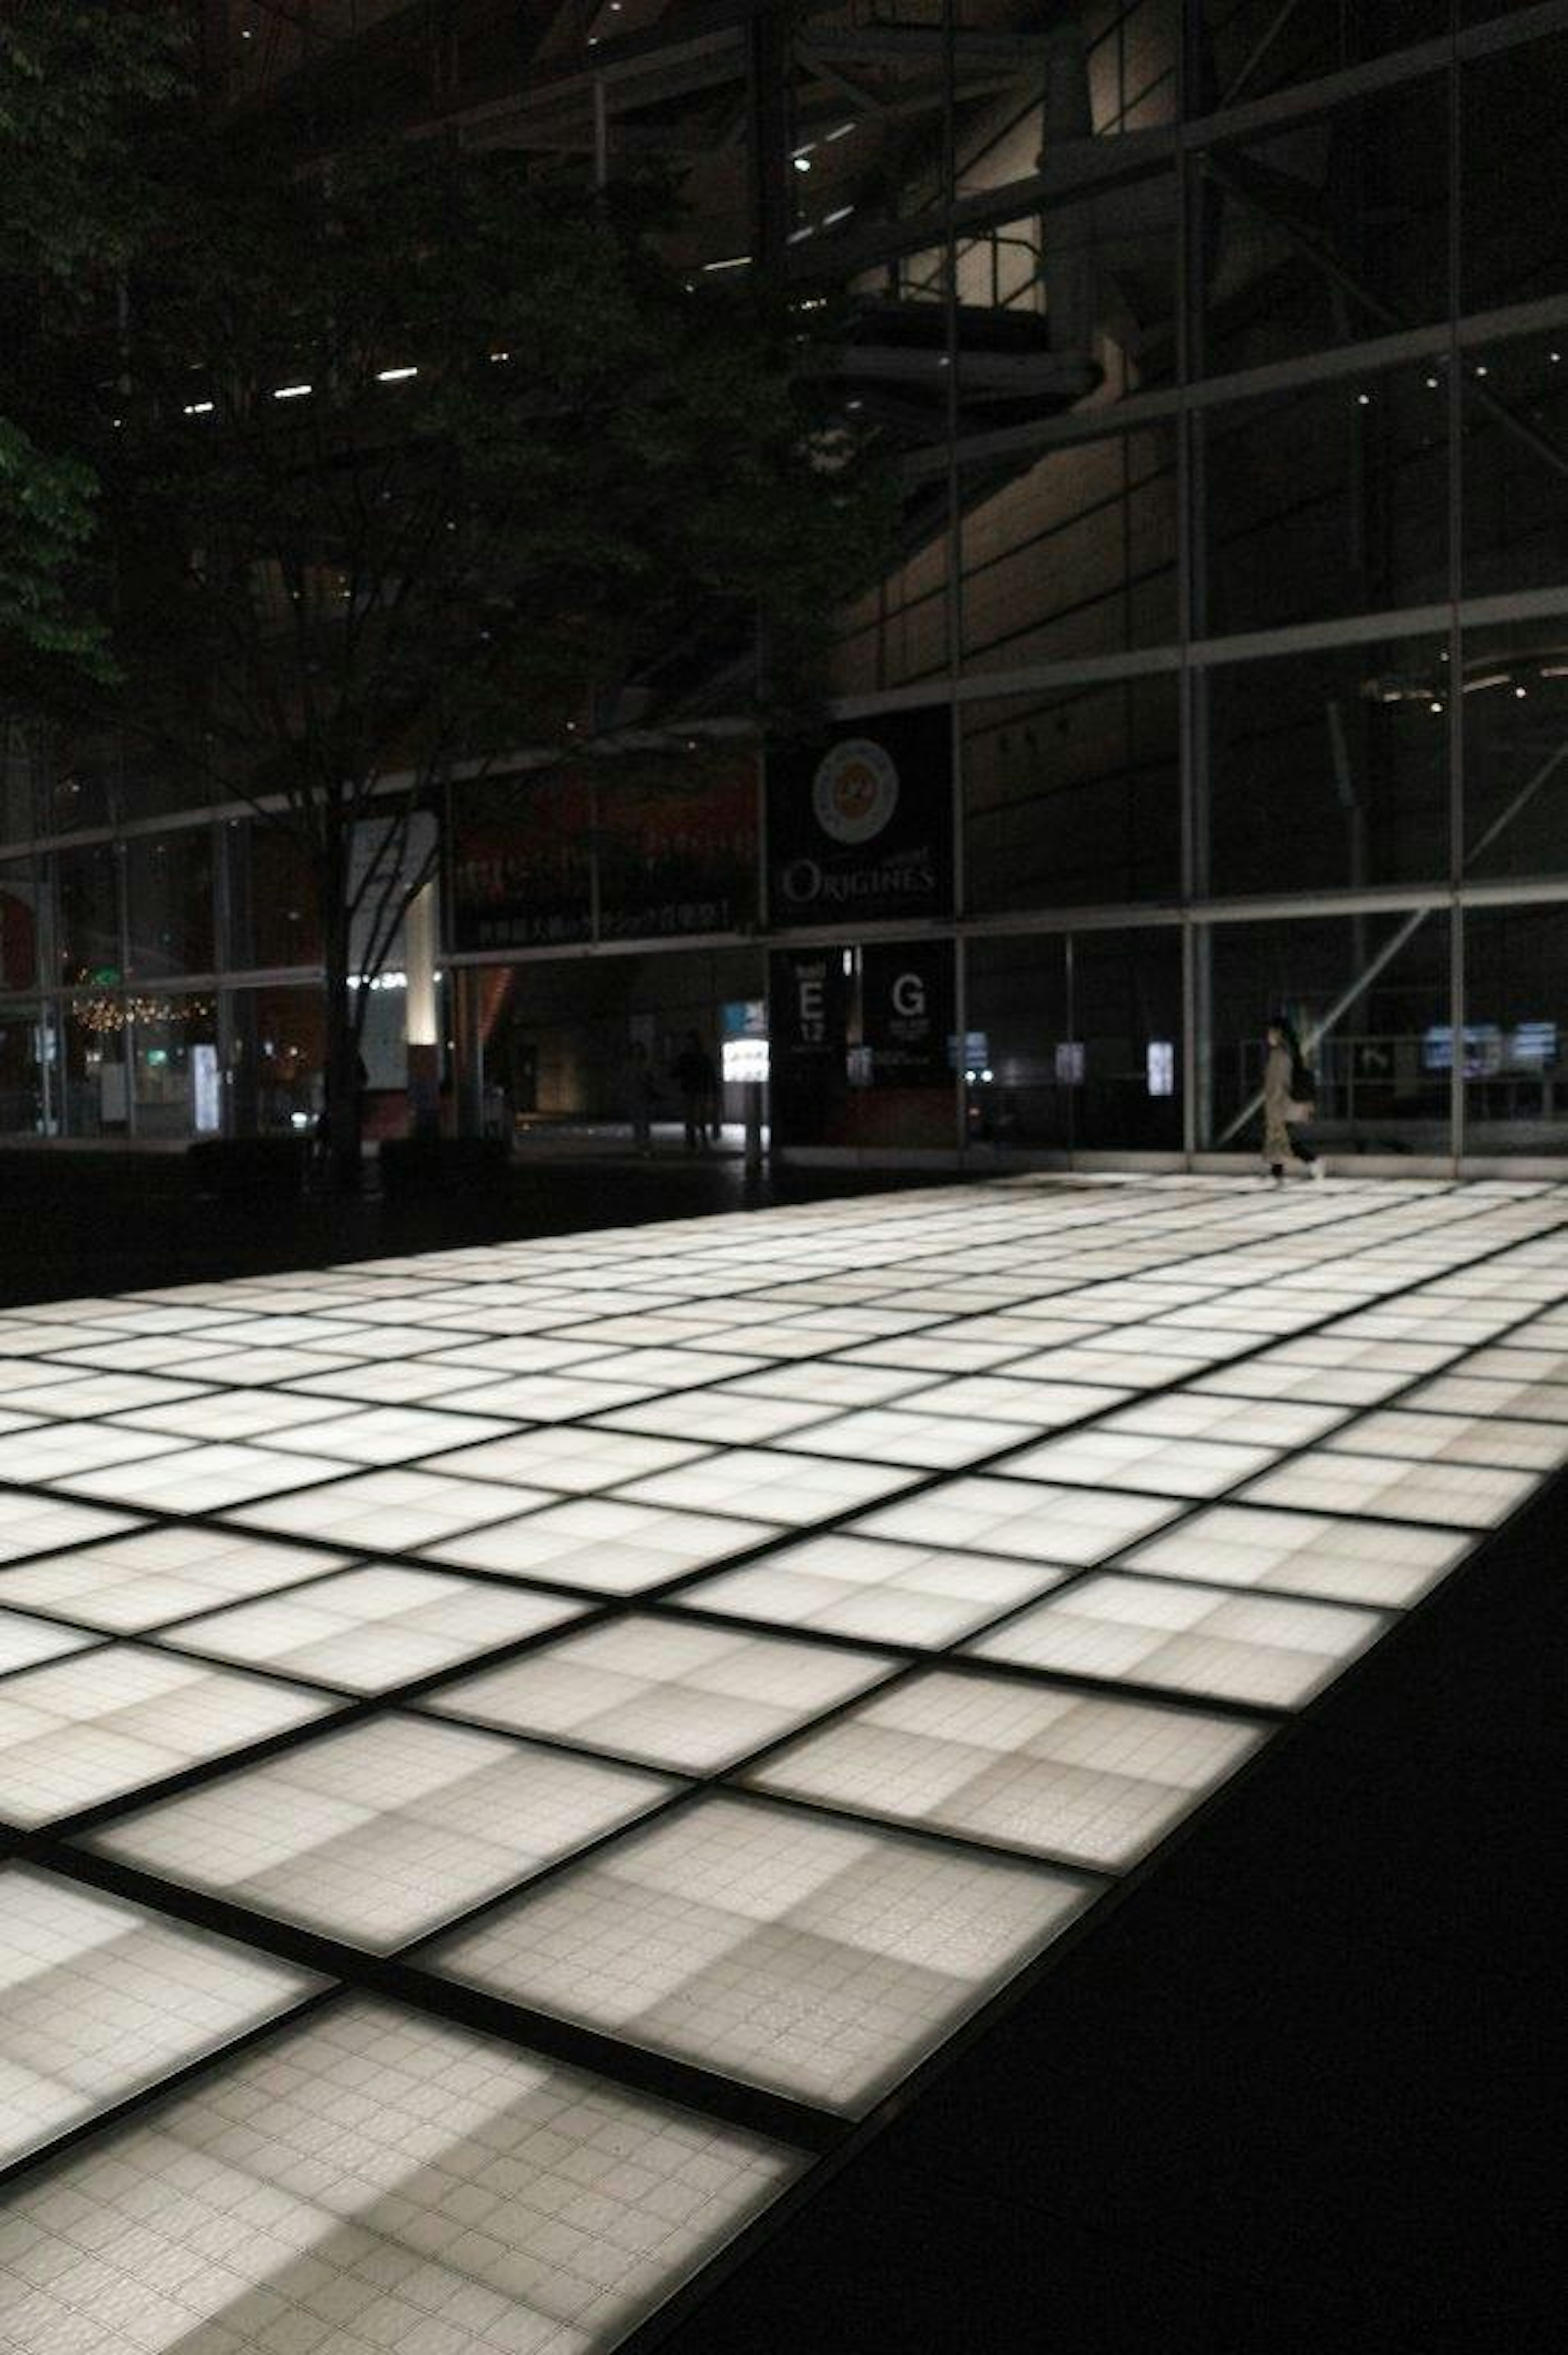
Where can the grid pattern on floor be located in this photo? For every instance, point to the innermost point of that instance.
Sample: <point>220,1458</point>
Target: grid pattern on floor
<point>505,1753</point>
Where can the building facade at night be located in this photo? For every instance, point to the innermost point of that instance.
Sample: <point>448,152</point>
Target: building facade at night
<point>1224,348</point>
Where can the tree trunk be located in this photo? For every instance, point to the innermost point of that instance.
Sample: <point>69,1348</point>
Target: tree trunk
<point>342,1075</point>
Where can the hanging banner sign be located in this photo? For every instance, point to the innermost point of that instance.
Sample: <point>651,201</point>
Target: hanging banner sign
<point>906,1012</point>
<point>861,827</point>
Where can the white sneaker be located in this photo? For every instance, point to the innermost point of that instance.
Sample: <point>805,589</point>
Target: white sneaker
<point>1318,1172</point>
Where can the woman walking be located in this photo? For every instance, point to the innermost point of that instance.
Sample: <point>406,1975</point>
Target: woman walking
<point>1286,1102</point>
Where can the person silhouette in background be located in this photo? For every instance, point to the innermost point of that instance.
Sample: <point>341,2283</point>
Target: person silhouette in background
<point>698,1084</point>
<point>1286,1102</point>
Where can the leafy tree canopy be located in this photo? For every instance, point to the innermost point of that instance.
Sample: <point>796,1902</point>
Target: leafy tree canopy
<point>77,82</point>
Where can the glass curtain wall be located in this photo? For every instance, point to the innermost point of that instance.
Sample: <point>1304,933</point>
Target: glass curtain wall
<point>1221,347</point>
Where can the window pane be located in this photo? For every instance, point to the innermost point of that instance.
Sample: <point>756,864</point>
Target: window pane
<point>1020,1030</point>
<point>1329,500</point>
<point>169,1068</point>
<point>1514,464</point>
<point>169,892</point>
<point>1072,798</point>
<point>1074,557</point>
<point>18,925</point>
<point>1127,1012</point>
<point>1376,988</point>
<point>1516,1030</point>
<point>1257,46</point>
<point>1330,232</point>
<point>1513,162</point>
<point>274,907</point>
<point>1516,749</point>
<point>278,1050</point>
<point>1328,770</point>
<point>86,914</point>
<point>22,1049</point>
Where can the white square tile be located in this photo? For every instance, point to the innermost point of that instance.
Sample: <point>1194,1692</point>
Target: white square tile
<point>667,1691</point>
<point>394,1512</point>
<point>368,1630</point>
<point>459,2176</point>
<point>718,1418</point>
<point>30,1525</point>
<point>1384,1566</point>
<point>925,1441</point>
<point>604,1544</point>
<point>1251,1648</point>
<point>1455,1439</point>
<point>24,1641</point>
<point>574,1459</point>
<point>101,1998</point>
<point>794,1489</point>
<point>848,1585</point>
<point>1460,1495</point>
<point>1026,1517</point>
<point>50,1452</point>
<point>158,1574</point>
<point>380,1832</point>
<point>202,1479</point>
<point>1091,1781</point>
<point>1125,1459</point>
<point>807,1957</point>
<point>84,1730</point>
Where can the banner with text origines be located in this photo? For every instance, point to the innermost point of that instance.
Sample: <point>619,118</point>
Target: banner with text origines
<point>860,826</point>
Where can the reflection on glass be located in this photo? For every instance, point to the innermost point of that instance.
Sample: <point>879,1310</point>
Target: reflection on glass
<point>1329,500</point>
<point>1249,47</point>
<point>87,915</point>
<point>1367,997</point>
<point>1074,556</point>
<point>18,924</point>
<point>1513,148</point>
<point>1327,769</point>
<point>169,901</point>
<point>1514,463</point>
<point>277,1052</point>
<point>1329,232</point>
<point>1516,749</point>
<point>1516,1030</point>
<point>1072,798</point>
<point>273,905</point>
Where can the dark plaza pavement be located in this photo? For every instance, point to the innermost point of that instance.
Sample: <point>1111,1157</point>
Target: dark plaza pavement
<point>1290,2090</point>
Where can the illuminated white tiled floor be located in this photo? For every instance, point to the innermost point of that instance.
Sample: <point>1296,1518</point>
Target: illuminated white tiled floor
<point>821,1960</point>
<point>159,1574</point>
<point>1305,1553</point>
<point>605,1545</point>
<point>81,1731</point>
<point>995,1525</point>
<point>98,1997</point>
<point>852,1585</point>
<point>1264,1649</point>
<point>476,2199</point>
<point>24,1641</point>
<point>1022,1517</point>
<point>1091,1782</point>
<point>368,1630</point>
<point>673,1693</point>
<point>380,1832</point>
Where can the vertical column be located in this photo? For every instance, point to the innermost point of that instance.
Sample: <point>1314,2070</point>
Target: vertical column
<point>421,1014</point>
<point>1454,717</point>
<point>767,58</point>
<point>1192,688</point>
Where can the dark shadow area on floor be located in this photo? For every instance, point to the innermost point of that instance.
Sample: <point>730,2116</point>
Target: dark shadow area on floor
<point>75,1224</point>
<point>1295,2090</point>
